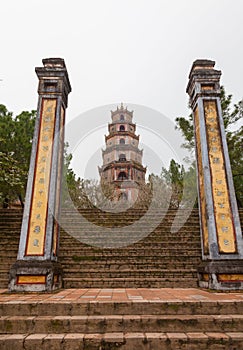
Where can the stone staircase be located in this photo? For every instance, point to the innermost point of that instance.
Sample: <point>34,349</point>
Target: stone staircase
<point>10,225</point>
<point>160,259</point>
<point>196,320</point>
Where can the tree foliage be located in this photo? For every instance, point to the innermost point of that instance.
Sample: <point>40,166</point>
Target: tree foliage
<point>174,178</point>
<point>16,141</point>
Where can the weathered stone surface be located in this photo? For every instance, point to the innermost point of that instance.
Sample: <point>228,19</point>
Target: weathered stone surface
<point>13,341</point>
<point>53,342</point>
<point>92,341</point>
<point>135,341</point>
<point>73,341</point>
<point>34,341</point>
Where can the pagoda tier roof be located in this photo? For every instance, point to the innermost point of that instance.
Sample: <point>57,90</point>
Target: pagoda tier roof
<point>122,164</point>
<point>121,133</point>
<point>122,122</point>
<point>120,147</point>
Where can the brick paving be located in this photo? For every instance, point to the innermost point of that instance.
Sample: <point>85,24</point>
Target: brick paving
<point>123,295</point>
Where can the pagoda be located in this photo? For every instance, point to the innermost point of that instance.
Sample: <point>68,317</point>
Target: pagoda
<point>122,159</point>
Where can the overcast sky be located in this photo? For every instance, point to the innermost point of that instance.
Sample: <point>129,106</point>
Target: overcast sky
<point>135,51</point>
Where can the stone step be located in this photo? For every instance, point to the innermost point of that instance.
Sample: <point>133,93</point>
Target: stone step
<point>120,271</point>
<point>172,241</point>
<point>161,248</point>
<point>127,271</point>
<point>120,323</point>
<point>130,224</point>
<point>124,341</point>
<point>114,220</point>
<point>5,244</point>
<point>184,241</point>
<point>187,229</point>
<point>93,302</point>
<point>136,215</point>
<point>118,261</point>
<point>143,245</point>
<point>136,236</point>
<point>164,214</point>
<point>124,270</point>
<point>140,252</point>
<point>145,233</point>
<point>184,231</point>
<point>129,213</point>
<point>122,265</point>
<point>7,260</point>
<point>162,226</point>
<point>116,258</point>
<point>165,236</point>
<point>168,220</point>
<point>4,282</point>
<point>156,247</point>
<point>133,282</point>
<point>134,277</point>
<point>96,213</point>
<point>161,239</point>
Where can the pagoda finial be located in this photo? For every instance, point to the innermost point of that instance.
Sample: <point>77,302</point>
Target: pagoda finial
<point>122,106</point>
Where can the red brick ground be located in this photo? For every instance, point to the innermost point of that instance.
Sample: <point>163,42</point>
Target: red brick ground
<point>123,294</point>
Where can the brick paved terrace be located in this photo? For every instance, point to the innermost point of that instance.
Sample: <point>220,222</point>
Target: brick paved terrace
<point>146,295</point>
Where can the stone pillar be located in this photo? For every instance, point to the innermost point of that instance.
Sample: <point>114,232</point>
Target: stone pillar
<point>37,268</point>
<point>221,237</point>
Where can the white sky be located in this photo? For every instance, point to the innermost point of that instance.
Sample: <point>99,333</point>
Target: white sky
<point>135,51</point>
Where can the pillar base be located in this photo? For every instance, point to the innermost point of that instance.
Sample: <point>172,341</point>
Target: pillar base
<point>35,276</point>
<point>221,275</point>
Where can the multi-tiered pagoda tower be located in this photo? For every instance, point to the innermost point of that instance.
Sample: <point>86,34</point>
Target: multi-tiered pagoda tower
<point>122,159</point>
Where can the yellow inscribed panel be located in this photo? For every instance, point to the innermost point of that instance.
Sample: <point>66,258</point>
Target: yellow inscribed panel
<point>230,278</point>
<point>28,279</point>
<point>39,205</point>
<point>223,213</point>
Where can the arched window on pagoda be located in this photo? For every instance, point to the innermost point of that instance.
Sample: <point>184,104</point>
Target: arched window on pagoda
<point>123,196</point>
<point>122,141</point>
<point>122,128</point>
<point>122,176</point>
<point>122,157</point>
<point>122,118</point>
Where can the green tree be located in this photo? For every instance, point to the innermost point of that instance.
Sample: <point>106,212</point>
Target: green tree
<point>76,191</point>
<point>10,177</point>
<point>16,141</point>
<point>231,115</point>
<point>24,125</point>
<point>174,178</point>
<point>235,146</point>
